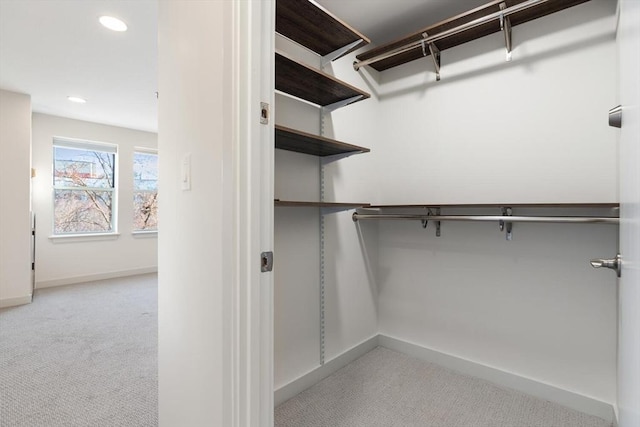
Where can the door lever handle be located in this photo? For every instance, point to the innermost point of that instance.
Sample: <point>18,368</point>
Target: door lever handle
<point>613,263</point>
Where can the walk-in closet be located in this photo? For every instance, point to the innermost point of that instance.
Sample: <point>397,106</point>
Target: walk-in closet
<point>439,197</point>
<point>419,213</point>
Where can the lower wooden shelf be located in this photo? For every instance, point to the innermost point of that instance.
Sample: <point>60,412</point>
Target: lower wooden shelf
<point>503,205</point>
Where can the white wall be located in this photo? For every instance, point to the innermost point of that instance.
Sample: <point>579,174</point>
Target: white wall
<point>196,241</point>
<point>67,260</point>
<point>15,191</point>
<point>533,130</point>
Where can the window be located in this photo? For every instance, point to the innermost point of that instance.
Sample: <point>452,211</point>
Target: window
<point>84,186</point>
<point>145,191</point>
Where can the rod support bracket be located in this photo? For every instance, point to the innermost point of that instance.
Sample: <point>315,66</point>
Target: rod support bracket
<point>435,54</point>
<point>425,222</point>
<point>505,27</point>
<point>507,211</point>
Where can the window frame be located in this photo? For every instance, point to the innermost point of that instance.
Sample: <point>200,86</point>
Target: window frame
<point>90,146</point>
<point>142,150</point>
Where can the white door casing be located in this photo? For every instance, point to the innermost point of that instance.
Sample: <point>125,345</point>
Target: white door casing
<point>254,290</point>
<point>628,402</point>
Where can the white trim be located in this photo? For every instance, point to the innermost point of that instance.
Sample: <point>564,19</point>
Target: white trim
<point>313,377</point>
<point>70,238</point>
<point>145,150</point>
<point>94,277</point>
<point>585,404</point>
<point>251,301</point>
<point>263,46</point>
<point>145,233</point>
<point>14,301</point>
<point>84,144</point>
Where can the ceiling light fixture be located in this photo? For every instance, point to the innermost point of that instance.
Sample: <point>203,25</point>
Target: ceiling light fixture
<point>77,99</point>
<point>112,23</point>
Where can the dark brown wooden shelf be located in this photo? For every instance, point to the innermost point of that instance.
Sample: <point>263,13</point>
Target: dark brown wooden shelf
<point>307,143</point>
<point>314,27</point>
<point>500,205</point>
<point>521,17</point>
<point>305,82</point>
<point>292,204</point>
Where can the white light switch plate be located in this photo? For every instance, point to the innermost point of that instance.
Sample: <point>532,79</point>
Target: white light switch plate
<point>185,174</point>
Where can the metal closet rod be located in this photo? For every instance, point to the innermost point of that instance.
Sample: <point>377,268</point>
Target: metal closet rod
<point>455,30</point>
<point>556,219</point>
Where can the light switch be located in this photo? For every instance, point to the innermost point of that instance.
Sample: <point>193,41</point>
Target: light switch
<point>185,175</point>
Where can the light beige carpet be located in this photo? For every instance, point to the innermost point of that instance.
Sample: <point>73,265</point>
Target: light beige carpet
<point>386,388</point>
<point>82,355</point>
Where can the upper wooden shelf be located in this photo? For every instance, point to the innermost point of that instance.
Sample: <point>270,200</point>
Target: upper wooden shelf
<point>314,27</point>
<point>310,84</point>
<point>307,143</point>
<point>551,6</point>
<point>505,205</point>
<point>333,205</point>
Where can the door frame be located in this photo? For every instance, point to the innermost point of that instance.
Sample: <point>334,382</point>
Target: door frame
<point>252,330</point>
<point>628,376</point>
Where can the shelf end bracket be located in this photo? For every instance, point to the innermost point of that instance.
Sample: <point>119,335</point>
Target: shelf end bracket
<point>332,107</point>
<point>505,27</point>
<point>435,54</point>
<point>331,56</point>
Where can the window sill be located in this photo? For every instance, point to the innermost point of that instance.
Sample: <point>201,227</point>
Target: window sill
<point>145,233</point>
<point>89,237</point>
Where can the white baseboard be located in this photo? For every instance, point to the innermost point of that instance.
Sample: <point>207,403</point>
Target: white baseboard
<point>540,390</point>
<point>94,277</point>
<point>313,377</point>
<point>12,302</point>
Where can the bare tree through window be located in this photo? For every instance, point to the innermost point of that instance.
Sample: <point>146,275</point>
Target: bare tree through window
<point>84,188</point>
<point>145,191</point>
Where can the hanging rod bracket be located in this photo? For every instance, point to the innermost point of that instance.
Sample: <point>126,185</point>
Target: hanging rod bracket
<point>505,27</point>
<point>332,107</point>
<point>425,221</point>
<point>331,56</point>
<point>435,54</point>
<point>507,211</point>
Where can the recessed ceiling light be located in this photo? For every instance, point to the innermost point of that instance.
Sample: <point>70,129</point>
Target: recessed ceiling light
<point>77,99</point>
<point>112,23</point>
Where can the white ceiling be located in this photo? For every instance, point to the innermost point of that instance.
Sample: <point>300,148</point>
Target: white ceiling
<point>52,49</point>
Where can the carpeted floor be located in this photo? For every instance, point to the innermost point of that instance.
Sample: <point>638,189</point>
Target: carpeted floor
<point>86,355</point>
<point>386,388</point>
<point>82,355</point>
